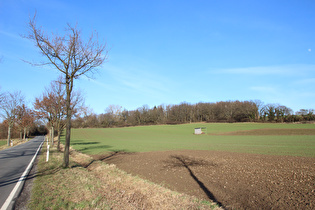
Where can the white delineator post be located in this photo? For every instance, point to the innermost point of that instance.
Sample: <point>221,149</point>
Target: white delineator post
<point>47,153</point>
<point>47,157</point>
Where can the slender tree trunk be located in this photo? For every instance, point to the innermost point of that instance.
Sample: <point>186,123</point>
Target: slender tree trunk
<point>9,134</point>
<point>58,144</point>
<point>24,133</point>
<point>52,135</point>
<point>69,85</point>
<point>21,134</point>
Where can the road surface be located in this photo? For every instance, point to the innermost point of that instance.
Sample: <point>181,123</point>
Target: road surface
<point>13,163</point>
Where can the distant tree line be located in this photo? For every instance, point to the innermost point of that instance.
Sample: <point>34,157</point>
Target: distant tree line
<point>223,111</point>
<point>20,121</point>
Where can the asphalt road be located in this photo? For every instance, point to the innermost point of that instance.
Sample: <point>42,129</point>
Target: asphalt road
<point>13,162</point>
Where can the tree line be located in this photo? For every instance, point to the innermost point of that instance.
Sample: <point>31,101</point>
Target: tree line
<point>223,111</point>
<point>20,121</point>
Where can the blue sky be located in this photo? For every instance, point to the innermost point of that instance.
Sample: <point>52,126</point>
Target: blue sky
<point>168,52</point>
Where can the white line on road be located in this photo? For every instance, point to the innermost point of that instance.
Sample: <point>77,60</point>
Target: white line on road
<point>24,175</point>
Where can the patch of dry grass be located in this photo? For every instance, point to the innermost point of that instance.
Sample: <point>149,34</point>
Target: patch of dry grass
<point>93,184</point>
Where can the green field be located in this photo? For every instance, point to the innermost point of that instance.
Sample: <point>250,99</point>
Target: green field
<point>181,137</point>
<point>3,142</point>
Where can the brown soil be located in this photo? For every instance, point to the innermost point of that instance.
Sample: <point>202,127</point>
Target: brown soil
<point>237,181</point>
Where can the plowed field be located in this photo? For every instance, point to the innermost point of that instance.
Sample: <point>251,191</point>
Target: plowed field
<point>235,180</point>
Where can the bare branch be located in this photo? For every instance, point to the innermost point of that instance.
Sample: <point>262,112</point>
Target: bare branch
<point>9,109</point>
<point>71,56</point>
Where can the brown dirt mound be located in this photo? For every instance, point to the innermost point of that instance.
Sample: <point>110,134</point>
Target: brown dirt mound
<point>273,132</point>
<point>237,181</point>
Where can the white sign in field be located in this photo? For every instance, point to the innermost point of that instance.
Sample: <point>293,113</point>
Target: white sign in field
<point>198,131</point>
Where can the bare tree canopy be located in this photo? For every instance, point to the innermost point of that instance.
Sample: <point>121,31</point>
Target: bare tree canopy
<point>9,109</point>
<point>68,53</point>
<point>25,119</point>
<point>72,56</point>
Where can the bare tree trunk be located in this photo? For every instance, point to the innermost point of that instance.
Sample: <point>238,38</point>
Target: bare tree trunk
<point>9,134</point>
<point>24,133</point>
<point>58,144</point>
<point>67,142</point>
<point>69,85</point>
<point>52,135</point>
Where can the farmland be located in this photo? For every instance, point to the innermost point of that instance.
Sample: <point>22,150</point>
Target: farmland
<point>284,139</point>
<point>243,165</point>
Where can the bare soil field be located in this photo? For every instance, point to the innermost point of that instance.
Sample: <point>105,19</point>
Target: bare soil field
<point>234,180</point>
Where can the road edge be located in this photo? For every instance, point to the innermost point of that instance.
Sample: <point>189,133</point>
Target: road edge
<point>10,202</point>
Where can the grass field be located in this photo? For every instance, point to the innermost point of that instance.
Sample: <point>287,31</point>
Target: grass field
<point>218,137</point>
<point>3,142</point>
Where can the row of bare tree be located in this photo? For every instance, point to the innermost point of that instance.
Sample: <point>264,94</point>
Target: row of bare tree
<point>49,109</point>
<point>224,111</point>
<point>16,114</point>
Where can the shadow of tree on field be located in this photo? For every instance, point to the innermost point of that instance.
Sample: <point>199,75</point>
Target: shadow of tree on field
<point>103,157</point>
<point>187,162</point>
<point>93,147</point>
<point>85,143</point>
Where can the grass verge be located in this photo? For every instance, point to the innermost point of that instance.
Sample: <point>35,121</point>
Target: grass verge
<point>100,186</point>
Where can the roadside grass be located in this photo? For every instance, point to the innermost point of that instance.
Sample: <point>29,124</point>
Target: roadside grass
<point>181,137</point>
<point>4,145</point>
<point>2,142</point>
<point>100,186</point>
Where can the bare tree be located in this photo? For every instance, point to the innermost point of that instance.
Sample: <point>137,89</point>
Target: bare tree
<point>70,55</point>
<point>259,104</point>
<point>9,109</point>
<point>25,119</point>
<point>52,106</point>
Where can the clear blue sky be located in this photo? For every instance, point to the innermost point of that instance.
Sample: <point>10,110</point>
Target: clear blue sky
<point>171,51</point>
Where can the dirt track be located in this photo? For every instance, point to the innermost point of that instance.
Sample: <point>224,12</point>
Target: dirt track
<point>237,181</point>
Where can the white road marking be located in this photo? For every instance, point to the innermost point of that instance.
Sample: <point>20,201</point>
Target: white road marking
<point>24,175</point>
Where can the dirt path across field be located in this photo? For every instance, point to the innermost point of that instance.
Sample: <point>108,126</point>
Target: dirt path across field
<point>237,181</point>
